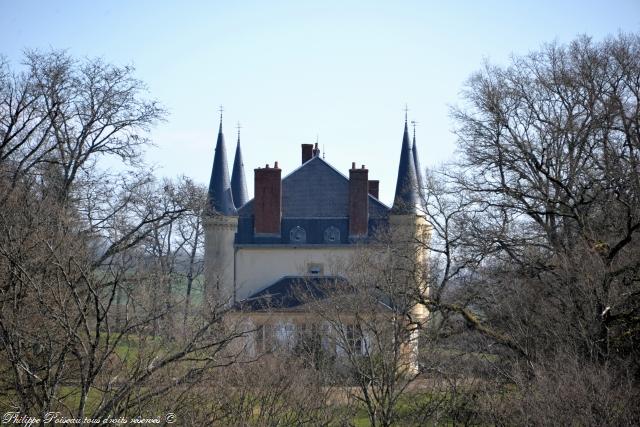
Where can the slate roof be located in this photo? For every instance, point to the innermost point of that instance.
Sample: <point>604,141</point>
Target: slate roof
<point>293,291</point>
<point>317,190</point>
<point>238,182</point>
<point>406,197</point>
<point>315,229</point>
<point>416,163</point>
<point>220,196</point>
<point>418,168</point>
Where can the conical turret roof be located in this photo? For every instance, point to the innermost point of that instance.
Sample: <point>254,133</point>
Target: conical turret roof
<point>238,182</point>
<point>406,197</point>
<point>416,164</point>
<point>220,195</point>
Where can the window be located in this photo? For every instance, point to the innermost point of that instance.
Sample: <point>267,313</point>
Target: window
<point>259,340</point>
<point>355,339</point>
<point>315,269</point>
<point>332,235</point>
<point>298,235</point>
<point>328,339</point>
<point>351,340</point>
<point>285,333</point>
<point>264,339</point>
<point>309,339</point>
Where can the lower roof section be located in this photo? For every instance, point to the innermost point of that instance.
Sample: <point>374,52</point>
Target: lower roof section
<point>293,293</point>
<point>290,292</point>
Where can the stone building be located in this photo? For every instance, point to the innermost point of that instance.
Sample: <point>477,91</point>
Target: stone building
<point>302,227</point>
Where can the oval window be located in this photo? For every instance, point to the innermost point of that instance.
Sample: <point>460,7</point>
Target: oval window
<point>298,235</point>
<point>332,235</point>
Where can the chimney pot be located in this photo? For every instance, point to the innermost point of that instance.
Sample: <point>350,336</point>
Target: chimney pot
<point>275,165</point>
<point>353,165</point>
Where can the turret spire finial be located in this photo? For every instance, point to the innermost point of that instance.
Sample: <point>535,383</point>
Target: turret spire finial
<point>239,126</point>
<point>221,109</point>
<point>406,111</point>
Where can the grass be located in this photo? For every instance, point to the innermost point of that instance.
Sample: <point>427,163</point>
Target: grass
<point>361,419</point>
<point>179,288</point>
<point>70,396</point>
<point>448,410</point>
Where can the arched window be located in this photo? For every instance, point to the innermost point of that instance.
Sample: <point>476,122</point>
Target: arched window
<point>332,235</point>
<point>298,235</point>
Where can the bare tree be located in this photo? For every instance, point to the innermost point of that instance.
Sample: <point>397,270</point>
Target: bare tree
<point>535,228</point>
<point>550,149</point>
<point>277,389</point>
<point>78,302</point>
<point>191,235</point>
<point>66,114</point>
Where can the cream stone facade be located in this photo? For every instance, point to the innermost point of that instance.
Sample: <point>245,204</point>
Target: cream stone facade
<point>257,265</point>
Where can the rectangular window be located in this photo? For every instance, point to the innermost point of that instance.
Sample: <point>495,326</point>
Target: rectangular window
<point>315,269</point>
<point>259,340</point>
<point>285,333</point>
<point>328,339</point>
<point>309,338</point>
<point>265,338</point>
<point>355,340</point>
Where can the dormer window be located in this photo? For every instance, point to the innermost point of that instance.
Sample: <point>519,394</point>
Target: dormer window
<point>315,269</point>
<point>297,235</point>
<point>332,235</point>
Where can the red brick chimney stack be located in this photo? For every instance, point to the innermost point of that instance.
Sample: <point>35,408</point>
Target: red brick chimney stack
<point>358,202</point>
<point>374,187</point>
<point>267,205</point>
<point>307,152</point>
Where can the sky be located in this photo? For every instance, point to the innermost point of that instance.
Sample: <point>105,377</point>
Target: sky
<point>294,72</point>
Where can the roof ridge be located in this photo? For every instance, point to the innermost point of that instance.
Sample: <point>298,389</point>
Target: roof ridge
<point>308,162</point>
<point>264,288</point>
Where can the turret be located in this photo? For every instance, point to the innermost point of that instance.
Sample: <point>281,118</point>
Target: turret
<point>220,195</point>
<point>406,195</point>
<point>410,234</point>
<point>416,164</point>
<point>220,226</point>
<point>238,182</point>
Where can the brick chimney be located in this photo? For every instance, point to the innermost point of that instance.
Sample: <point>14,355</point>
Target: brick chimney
<point>358,201</point>
<point>307,152</point>
<point>374,187</point>
<point>267,204</point>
